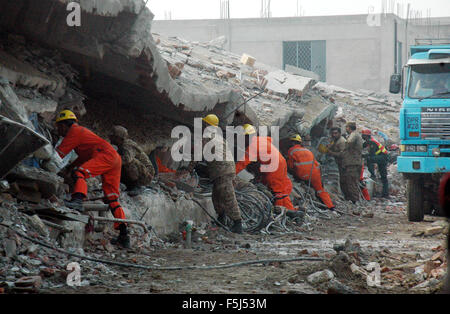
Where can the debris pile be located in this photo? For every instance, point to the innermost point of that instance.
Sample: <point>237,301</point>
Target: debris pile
<point>273,97</point>
<point>35,83</point>
<point>382,270</point>
<point>370,110</point>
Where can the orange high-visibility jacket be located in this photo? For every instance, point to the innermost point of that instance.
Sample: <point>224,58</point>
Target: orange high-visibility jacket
<point>162,168</point>
<point>301,160</point>
<point>262,150</point>
<point>85,143</point>
<point>96,157</point>
<point>381,148</point>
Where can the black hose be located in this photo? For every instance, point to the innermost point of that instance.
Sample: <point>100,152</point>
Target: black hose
<point>210,216</point>
<point>147,267</point>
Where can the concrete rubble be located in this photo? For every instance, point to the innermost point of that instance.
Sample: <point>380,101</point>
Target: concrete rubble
<point>274,96</point>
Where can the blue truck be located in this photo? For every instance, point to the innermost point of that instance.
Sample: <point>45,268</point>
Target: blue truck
<point>424,125</point>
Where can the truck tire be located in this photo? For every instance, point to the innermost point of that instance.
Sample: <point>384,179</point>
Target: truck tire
<point>415,207</point>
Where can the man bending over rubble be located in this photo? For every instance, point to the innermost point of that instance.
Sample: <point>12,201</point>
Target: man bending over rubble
<point>305,167</point>
<point>137,170</point>
<point>96,157</point>
<point>261,149</point>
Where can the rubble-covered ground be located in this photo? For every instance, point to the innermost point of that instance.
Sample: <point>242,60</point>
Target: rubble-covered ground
<point>410,256</point>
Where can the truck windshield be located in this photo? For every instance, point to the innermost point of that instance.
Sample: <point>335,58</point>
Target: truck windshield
<point>430,81</point>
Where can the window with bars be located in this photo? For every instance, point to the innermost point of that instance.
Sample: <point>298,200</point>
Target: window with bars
<point>308,55</point>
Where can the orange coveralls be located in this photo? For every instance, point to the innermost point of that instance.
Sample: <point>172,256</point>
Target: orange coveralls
<point>162,168</point>
<point>364,190</point>
<point>262,150</point>
<point>95,157</point>
<point>301,160</point>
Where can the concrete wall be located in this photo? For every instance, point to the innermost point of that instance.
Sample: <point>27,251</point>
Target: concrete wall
<point>358,56</point>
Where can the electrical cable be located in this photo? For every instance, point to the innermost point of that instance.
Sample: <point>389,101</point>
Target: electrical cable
<point>148,267</point>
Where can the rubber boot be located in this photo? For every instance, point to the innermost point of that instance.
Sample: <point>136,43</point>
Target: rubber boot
<point>76,202</point>
<point>222,219</point>
<point>123,239</point>
<point>237,227</point>
<point>294,214</point>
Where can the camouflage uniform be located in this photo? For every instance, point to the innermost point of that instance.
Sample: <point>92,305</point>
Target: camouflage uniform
<point>351,161</point>
<point>222,174</point>
<point>336,148</point>
<point>351,164</point>
<point>137,170</point>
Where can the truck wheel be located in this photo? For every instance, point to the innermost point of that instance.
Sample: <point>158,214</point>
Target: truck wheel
<point>415,207</point>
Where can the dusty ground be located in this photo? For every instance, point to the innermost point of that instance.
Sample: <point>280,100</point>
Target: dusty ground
<point>387,238</point>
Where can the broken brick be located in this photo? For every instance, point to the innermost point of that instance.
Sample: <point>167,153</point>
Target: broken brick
<point>438,272</point>
<point>47,272</point>
<point>385,269</point>
<point>439,256</point>
<point>248,60</point>
<point>28,284</point>
<point>429,266</point>
<point>433,230</point>
<point>174,71</point>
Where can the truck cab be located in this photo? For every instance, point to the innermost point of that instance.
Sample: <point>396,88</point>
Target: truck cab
<point>424,123</point>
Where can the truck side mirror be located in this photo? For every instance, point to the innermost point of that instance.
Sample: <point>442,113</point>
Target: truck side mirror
<point>395,84</point>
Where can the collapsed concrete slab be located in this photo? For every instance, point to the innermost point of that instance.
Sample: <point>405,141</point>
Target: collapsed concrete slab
<point>115,51</point>
<point>283,83</point>
<point>21,73</point>
<point>374,111</point>
<point>272,97</point>
<point>163,213</point>
<point>16,143</point>
<point>48,183</point>
<point>302,72</point>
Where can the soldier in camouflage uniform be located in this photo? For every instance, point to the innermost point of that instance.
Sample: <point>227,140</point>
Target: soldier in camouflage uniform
<point>137,170</point>
<point>222,173</point>
<point>351,162</point>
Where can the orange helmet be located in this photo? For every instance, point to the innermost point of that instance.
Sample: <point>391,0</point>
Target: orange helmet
<point>366,132</point>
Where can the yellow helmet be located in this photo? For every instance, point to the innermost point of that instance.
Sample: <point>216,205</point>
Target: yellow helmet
<point>211,119</point>
<point>66,115</point>
<point>249,129</point>
<point>297,138</point>
<point>322,149</point>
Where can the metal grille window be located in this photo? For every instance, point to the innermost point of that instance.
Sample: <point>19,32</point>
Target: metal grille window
<point>308,55</point>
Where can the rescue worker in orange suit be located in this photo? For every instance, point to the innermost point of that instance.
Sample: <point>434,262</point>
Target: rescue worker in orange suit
<point>273,168</point>
<point>305,167</point>
<point>378,154</point>
<point>96,157</point>
<point>362,184</point>
<point>162,168</point>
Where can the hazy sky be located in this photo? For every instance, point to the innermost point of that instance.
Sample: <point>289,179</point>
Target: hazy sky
<point>210,9</point>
